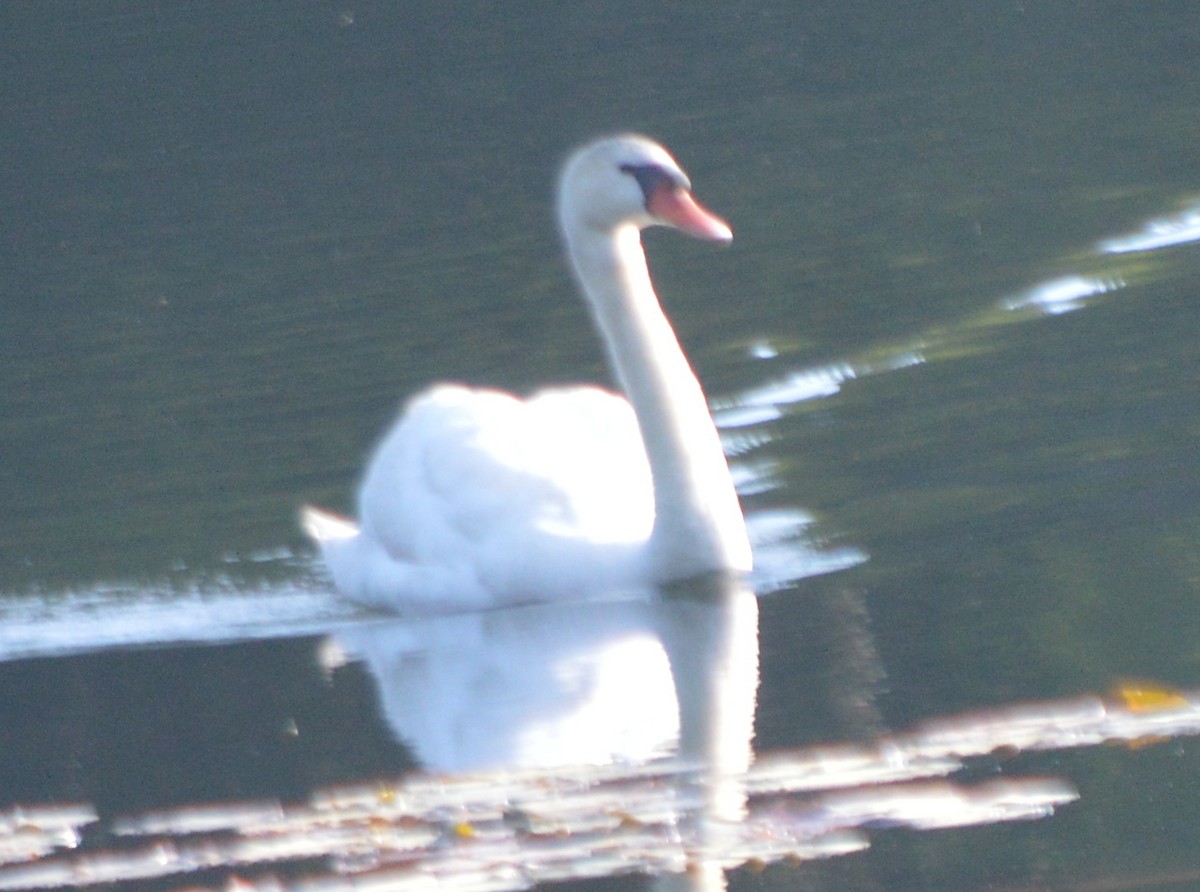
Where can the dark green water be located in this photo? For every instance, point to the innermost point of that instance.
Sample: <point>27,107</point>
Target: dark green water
<point>237,237</point>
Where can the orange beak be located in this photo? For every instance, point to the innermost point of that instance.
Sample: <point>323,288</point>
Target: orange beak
<point>675,206</point>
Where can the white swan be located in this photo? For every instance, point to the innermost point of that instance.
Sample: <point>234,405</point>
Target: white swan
<point>476,497</point>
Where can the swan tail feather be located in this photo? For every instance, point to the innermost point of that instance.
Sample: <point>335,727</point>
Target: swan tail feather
<point>325,526</point>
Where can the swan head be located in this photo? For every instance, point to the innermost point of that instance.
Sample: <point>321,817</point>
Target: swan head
<point>629,180</point>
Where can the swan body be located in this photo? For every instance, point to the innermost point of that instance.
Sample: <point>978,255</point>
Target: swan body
<point>476,497</point>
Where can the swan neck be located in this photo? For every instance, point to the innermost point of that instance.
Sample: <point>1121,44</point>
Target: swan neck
<point>698,523</point>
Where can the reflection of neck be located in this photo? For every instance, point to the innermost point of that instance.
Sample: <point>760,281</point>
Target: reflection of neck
<point>709,629</point>
<point>698,523</point>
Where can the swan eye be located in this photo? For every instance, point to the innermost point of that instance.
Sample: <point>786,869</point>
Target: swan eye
<point>650,178</point>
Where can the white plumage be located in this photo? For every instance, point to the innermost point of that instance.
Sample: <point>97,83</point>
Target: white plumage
<point>477,497</point>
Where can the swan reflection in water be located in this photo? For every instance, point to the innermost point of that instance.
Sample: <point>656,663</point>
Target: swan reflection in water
<point>551,686</point>
<point>586,740</point>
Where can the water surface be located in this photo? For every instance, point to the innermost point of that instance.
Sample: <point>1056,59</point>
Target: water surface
<point>238,238</point>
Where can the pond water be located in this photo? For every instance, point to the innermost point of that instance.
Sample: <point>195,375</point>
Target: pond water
<point>952,349</point>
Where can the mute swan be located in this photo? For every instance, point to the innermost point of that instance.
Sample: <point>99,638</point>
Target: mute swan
<point>476,497</point>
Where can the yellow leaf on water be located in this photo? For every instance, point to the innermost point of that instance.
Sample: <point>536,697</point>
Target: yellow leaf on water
<point>1147,696</point>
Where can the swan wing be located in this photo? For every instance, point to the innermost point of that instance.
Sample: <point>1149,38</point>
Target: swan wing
<point>525,498</point>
